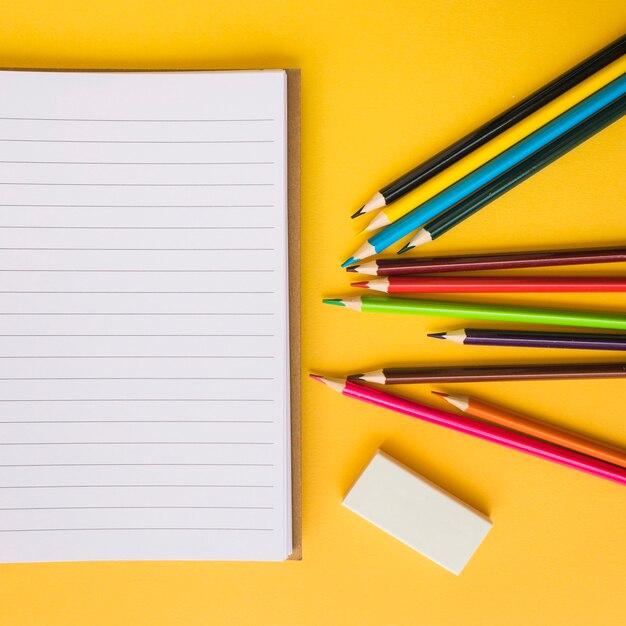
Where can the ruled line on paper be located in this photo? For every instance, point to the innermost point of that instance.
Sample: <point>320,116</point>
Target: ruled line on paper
<point>139,162</point>
<point>111,141</point>
<point>229,421</point>
<point>133,486</point>
<point>137,356</point>
<point>139,227</point>
<point>117,335</point>
<point>145,378</point>
<point>81,119</point>
<point>145,206</point>
<point>139,443</point>
<point>143,293</point>
<point>133,400</point>
<point>144,465</point>
<point>139,508</point>
<point>150,250</point>
<point>48,530</point>
<point>142,271</point>
<point>41,184</point>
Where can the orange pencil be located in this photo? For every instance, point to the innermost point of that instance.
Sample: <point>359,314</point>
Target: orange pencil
<point>540,430</point>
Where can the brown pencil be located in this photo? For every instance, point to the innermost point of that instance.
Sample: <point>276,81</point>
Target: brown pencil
<point>485,373</point>
<point>473,262</point>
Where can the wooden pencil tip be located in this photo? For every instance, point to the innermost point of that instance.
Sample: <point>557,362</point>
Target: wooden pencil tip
<point>358,213</point>
<point>436,336</point>
<point>405,248</point>
<point>317,377</point>
<point>352,268</point>
<point>355,376</point>
<point>363,284</point>
<point>440,394</point>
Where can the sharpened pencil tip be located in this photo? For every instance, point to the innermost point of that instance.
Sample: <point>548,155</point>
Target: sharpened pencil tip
<point>335,301</point>
<point>405,248</point>
<point>364,284</point>
<point>440,394</point>
<point>349,261</point>
<point>358,213</point>
<point>355,376</point>
<point>317,377</point>
<point>352,268</point>
<point>437,336</point>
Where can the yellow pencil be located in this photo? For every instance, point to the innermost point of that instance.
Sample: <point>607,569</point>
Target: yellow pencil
<point>499,144</point>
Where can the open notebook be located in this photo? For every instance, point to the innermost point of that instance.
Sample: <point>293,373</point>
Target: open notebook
<point>144,316</point>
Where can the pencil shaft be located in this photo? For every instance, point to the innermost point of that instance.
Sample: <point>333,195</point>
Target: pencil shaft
<point>552,284</point>
<point>409,376</point>
<point>519,260</point>
<point>529,339</point>
<point>492,312</point>
<point>501,143</point>
<point>500,123</point>
<point>535,428</point>
<point>487,432</point>
<point>497,166</point>
<point>510,179</point>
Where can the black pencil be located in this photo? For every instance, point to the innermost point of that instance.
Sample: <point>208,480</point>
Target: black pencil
<point>494,127</point>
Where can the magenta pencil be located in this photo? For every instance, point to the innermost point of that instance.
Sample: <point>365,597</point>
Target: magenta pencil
<point>477,428</point>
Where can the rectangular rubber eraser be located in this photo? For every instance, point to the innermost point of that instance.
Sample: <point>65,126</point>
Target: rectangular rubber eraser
<point>417,512</point>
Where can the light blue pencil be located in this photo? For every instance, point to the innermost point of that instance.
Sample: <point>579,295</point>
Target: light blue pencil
<point>483,175</point>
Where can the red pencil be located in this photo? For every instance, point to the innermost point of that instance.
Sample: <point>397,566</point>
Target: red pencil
<point>479,284</point>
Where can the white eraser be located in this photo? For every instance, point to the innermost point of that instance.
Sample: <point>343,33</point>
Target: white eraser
<point>417,512</point>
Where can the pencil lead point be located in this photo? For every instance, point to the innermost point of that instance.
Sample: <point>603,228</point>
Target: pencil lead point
<point>335,301</point>
<point>364,284</point>
<point>437,336</point>
<point>438,393</point>
<point>317,377</point>
<point>355,376</point>
<point>358,213</point>
<point>406,248</point>
<point>352,268</point>
<point>349,261</point>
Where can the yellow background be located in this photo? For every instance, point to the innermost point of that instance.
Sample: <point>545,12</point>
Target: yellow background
<point>385,85</point>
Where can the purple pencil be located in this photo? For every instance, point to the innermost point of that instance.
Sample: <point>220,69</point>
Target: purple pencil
<point>530,339</point>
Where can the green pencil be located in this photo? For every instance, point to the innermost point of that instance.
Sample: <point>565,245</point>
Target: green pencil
<point>476,311</point>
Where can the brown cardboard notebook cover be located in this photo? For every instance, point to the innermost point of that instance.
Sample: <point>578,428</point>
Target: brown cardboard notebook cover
<point>293,181</point>
<point>293,149</point>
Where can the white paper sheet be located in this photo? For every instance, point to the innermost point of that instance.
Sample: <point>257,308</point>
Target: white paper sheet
<point>143,316</point>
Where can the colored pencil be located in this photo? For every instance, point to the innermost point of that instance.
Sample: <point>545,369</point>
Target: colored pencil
<point>485,174</point>
<point>488,373</point>
<point>479,284</point>
<point>534,428</point>
<point>513,177</point>
<point>480,311</point>
<point>501,143</point>
<point>499,261</point>
<point>476,428</point>
<point>495,126</point>
<point>531,339</point>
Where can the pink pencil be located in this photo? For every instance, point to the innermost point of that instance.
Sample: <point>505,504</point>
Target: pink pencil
<point>476,428</point>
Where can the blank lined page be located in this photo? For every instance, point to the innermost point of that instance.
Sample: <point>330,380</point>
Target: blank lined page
<point>144,399</point>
